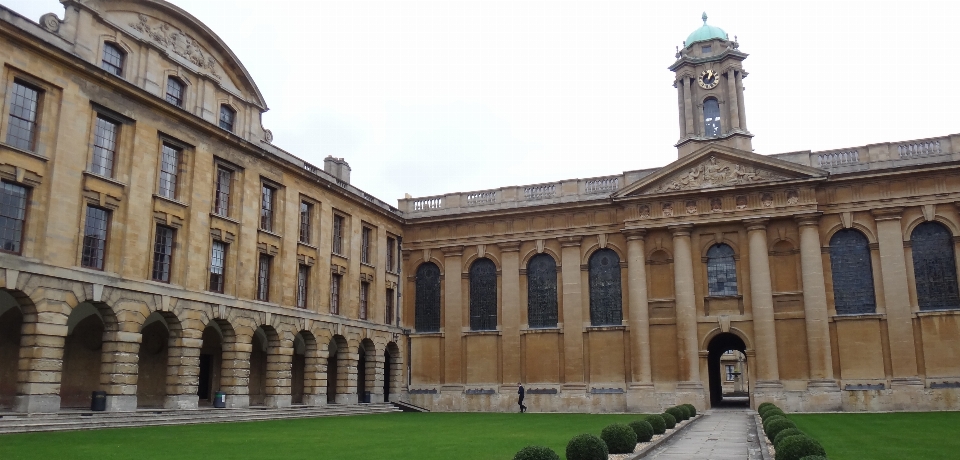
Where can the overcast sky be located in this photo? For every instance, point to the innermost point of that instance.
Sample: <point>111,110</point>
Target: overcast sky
<point>434,97</point>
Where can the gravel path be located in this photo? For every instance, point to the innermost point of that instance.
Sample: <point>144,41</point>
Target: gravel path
<point>723,434</point>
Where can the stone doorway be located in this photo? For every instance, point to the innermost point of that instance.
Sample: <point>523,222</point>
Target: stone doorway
<point>727,365</point>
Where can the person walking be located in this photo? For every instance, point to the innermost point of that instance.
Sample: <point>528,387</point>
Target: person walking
<point>520,392</point>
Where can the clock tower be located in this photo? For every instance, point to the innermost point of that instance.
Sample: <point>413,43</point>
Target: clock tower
<point>709,81</point>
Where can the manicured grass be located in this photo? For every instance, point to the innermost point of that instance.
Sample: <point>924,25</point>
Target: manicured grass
<point>441,436</point>
<point>898,436</point>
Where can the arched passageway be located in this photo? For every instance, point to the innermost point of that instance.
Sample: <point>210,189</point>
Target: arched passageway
<point>82,355</point>
<point>336,357</point>
<point>211,364</point>
<point>153,359</point>
<point>11,322</point>
<point>391,370</point>
<point>362,395</point>
<point>257,386</point>
<point>726,361</point>
<point>298,369</point>
<point>367,371</point>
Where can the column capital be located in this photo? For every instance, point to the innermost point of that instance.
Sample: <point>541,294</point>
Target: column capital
<point>887,213</point>
<point>634,233</point>
<point>680,229</point>
<point>570,241</point>
<point>808,219</point>
<point>757,223</point>
<point>509,246</point>
<point>452,251</point>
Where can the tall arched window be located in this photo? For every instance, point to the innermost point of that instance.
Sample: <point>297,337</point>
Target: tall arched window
<point>542,291</point>
<point>934,267</point>
<point>721,270</point>
<point>483,295</point>
<point>427,307</point>
<point>606,301</point>
<point>711,118</point>
<point>852,273</point>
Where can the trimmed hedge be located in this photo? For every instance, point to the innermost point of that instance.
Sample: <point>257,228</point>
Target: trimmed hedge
<point>686,411</point>
<point>669,420</point>
<point>677,413</point>
<point>772,419</point>
<point>693,409</point>
<point>643,429</point>
<point>658,424</point>
<point>783,434</point>
<point>586,447</point>
<point>771,411</point>
<point>536,453</point>
<point>620,438</point>
<point>765,405</point>
<point>798,447</point>
<point>775,427</point>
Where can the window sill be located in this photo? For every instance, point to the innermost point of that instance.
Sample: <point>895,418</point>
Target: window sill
<point>367,265</point>
<point>426,334</point>
<point>334,254</point>
<point>468,332</point>
<point>604,328</point>
<point>308,245</point>
<point>268,232</point>
<point>940,312</point>
<point>858,316</point>
<point>223,217</point>
<point>171,200</point>
<point>104,178</point>
<point>541,330</point>
<point>25,152</point>
<point>722,297</point>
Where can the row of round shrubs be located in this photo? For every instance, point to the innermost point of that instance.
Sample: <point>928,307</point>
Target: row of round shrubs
<point>789,442</point>
<point>614,439</point>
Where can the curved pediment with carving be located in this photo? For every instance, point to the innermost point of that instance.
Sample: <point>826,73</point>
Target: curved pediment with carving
<point>178,42</point>
<point>711,173</point>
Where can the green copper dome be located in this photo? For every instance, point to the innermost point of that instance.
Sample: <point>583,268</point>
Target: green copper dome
<point>705,33</point>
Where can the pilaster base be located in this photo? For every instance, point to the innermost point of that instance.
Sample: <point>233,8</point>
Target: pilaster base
<point>33,404</point>
<point>642,397</point>
<point>238,401</point>
<point>278,401</point>
<point>315,400</point>
<point>181,402</point>
<point>691,392</point>
<point>346,399</point>
<point>121,403</point>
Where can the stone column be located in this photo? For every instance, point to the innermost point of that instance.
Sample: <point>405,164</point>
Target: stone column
<point>741,105</point>
<point>573,372</point>
<point>315,376</point>
<point>639,320</point>
<point>893,268</point>
<point>235,377</point>
<point>815,301</point>
<point>686,308</point>
<point>688,106</point>
<point>183,370</point>
<point>510,340</point>
<point>680,108</point>
<point>376,362</point>
<point>761,297</point>
<point>119,367</point>
<point>347,363</point>
<point>279,373</point>
<point>452,314</point>
<point>733,98</point>
<point>42,338</point>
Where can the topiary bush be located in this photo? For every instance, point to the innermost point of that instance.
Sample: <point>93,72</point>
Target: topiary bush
<point>669,420</point>
<point>765,405</point>
<point>771,419</point>
<point>686,411</point>
<point>587,447</point>
<point>771,411</point>
<point>799,446</point>
<point>658,424</point>
<point>677,413</point>
<point>620,438</point>
<point>536,453</point>
<point>776,427</point>
<point>643,429</point>
<point>783,434</point>
<point>814,457</point>
<point>692,410</point>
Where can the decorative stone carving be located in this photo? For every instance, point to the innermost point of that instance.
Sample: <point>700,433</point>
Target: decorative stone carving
<point>178,42</point>
<point>716,205</point>
<point>691,207</point>
<point>50,22</point>
<point>766,200</point>
<point>715,172</point>
<point>792,197</point>
<point>644,211</point>
<point>741,202</point>
<point>268,136</point>
<point>668,209</point>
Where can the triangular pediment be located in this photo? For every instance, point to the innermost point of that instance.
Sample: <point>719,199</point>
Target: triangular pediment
<point>716,166</point>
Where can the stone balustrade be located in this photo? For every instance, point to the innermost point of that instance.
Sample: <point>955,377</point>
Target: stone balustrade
<point>877,156</point>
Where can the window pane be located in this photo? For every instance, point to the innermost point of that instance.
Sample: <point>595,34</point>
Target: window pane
<point>337,234</point>
<point>711,118</point>
<point>169,168</point>
<point>721,271</point>
<point>263,278</point>
<point>112,59</point>
<point>606,301</point>
<point>852,273</point>
<point>364,289</point>
<point>23,117</point>
<point>427,305</point>
<point>266,208</point>
<point>217,257</point>
<point>104,147</point>
<point>388,316</point>
<point>226,118</point>
<point>94,238</point>
<point>483,295</point>
<point>305,212</point>
<point>303,274</point>
<point>542,291</point>
<point>365,245</point>
<point>934,267</point>
<point>335,294</point>
<point>174,92</point>
<point>391,244</point>
<point>162,253</point>
<point>13,212</point>
<point>222,200</point>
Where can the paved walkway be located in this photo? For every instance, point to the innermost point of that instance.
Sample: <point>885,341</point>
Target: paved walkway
<point>722,434</point>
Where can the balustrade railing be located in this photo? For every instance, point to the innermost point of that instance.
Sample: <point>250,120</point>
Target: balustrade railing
<point>603,184</point>
<point>539,192</point>
<point>426,204</point>
<point>919,148</point>
<point>478,198</point>
<point>839,158</point>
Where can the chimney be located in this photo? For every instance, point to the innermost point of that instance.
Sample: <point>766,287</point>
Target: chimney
<point>338,168</point>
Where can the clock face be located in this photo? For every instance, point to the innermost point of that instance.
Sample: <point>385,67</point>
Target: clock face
<point>708,79</point>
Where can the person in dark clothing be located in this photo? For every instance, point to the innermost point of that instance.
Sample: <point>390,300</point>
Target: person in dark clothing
<point>520,401</point>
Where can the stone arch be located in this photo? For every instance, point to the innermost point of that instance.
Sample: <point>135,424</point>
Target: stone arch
<point>733,330</point>
<point>716,347</point>
<point>217,361</point>
<point>83,353</point>
<point>589,251</point>
<point>912,224</point>
<point>269,367</point>
<point>525,258</point>
<point>392,371</point>
<point>838,226</point>
<point>159,361</point>
<point>306,369</point>
<point>337,369</point>
<point>12,316</point>
<point>707,243</point>
<point>367,367</point>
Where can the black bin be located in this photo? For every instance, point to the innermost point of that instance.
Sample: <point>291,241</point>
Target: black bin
<point>220,400</point>
<point>365,397</point>
<point>98,402</point>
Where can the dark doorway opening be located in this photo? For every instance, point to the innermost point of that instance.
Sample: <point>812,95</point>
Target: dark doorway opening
<point>726,361</point>
<point>362,395</point>
<point>203,386</point>
<point>387,372</point>
<point>332,373</point>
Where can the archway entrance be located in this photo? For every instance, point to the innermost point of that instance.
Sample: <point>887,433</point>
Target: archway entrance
<point>727,363</point>
<point>153,360</point>
<point>336,350</point>
<point>11,321</point>
<point>211,353</point>
<point>298,369</point>
<point>391,370</point>
<point>82,353</point>
<point>257,385</point>
<point>362,395</point>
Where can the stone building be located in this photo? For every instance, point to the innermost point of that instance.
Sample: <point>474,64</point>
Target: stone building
<point>156,246</point>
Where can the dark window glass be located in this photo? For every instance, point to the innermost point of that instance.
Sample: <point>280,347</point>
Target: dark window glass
<point>721,271</point>
<point>391,245</point>
<point>705,49</point>
<point>606,302</point>
<point>306,211</point>
<point>112,59</point>
<point>162,253</point>
<point>13,212</point>
<point>852,273</point>
<point>934,267</point>
<point>427,306</point>
<point>364,291</point>
<point>303,274</point>
<point>337,234</point>
<point>335,294</point>
<point>169,169</point>
<point>175,92</point>
<point>221,202</point>
<point>365,245</point>
<point>104,147</point>
<point>711,118</point>
<point>263,278</point>
<point>226,118</point>
<point>388,314</point>
<point>218,256</point>
<point>266,208</point>
<point>95,238</point>
<point>542,291</point>
<point>22,126</point>
<point>483,295</point>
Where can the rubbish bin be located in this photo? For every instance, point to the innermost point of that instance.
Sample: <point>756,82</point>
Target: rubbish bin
<point>365,397</point>
<point>98,402</point>
<point>220,400</point>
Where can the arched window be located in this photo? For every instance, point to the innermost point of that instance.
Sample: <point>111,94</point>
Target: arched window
<point>175,91</point>
<point>721,271</point>
<point>542,291</point>
<point>483,295</point>
<point>227,115</point>
<point>934,267</point>
<point>112,59</point>
<point>711,118</point>
<point>852,273</point>
<point>427,307</point>
<point>606,301</point>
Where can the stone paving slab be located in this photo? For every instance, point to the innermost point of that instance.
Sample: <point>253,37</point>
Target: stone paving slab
<point>722,434</point>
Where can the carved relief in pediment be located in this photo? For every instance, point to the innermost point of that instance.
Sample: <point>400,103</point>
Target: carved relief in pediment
<point>175,40</point>
<point>715,172</point>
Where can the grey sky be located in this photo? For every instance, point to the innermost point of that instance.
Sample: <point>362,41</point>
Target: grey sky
<point>442,96</point>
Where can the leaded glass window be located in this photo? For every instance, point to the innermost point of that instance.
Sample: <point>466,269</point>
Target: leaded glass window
<point>266,207</point>
<point>934,267</point>
<point>169,170</point>
<point>95,238</point>
<point>22,124</point>
<point>104,147</point>
<point>306,211</point>
<point>263,278</point>
<point>427,306</point>
<point>388,316</point>
<point>222,199</point>
<point>175,91</point>
<point>112,59</point>
<point>852,273</point>
<point>483,295</point>
<point>162,253</point>
<point>711,118</point>
<point>721,271</point>
<point>606,301</point>
<point>227,116</point>
<point>13,213</point>
<point>218,255</point>
<point>542,291</point>
<point>303,275</point>
<point>364,292</point>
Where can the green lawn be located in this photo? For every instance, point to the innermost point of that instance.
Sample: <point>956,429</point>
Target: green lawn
<point>915,435</point>
<point>370,437</point>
